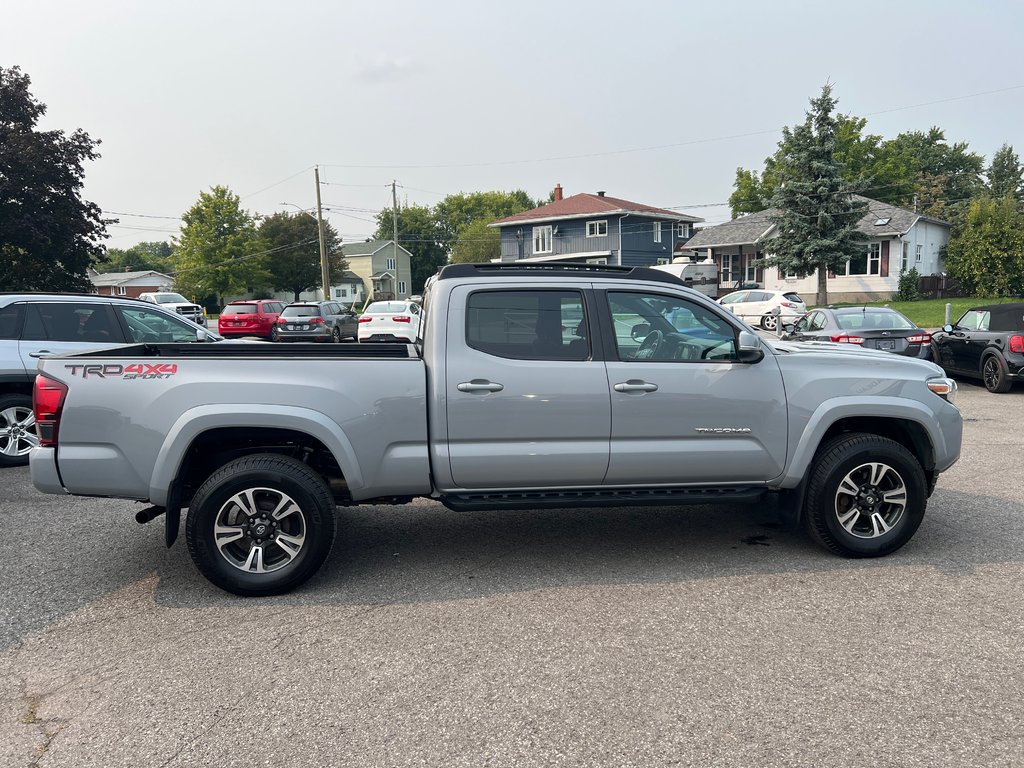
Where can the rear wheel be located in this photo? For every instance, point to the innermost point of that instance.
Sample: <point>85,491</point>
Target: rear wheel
<point>336,335</point>
<point>866,496</point>
<point>993,373</point>
<point>17,430</point>
<point>770,322</point>
<point>261,525</point>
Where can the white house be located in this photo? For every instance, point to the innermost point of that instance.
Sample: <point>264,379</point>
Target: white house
<point>897,239</point>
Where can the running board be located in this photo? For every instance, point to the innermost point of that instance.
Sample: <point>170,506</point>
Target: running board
<point>609,497</point>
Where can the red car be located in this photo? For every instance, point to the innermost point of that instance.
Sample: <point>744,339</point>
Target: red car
<point>250,318</point>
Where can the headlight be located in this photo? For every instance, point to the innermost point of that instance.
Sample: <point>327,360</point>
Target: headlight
<point>944,388</point>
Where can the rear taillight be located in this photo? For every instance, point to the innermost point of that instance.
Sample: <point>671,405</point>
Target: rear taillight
<point>400,319</point>
<point>787,304</point>
<point>365,319</point>
<point>315,320</point>
<point>923,338</point>
<point>844,339</point>
<point>1017,344</point>
<point>282,320</point>
<point>47,401</point>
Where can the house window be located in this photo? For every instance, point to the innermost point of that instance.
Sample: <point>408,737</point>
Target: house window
<point>868,264</point>
<point>391,264</point>
<point>906,256</point>
<point>683,230</point>
<point>875,259</point>
<point>542,239</point>
<point>663,260</point>
<point>340,293</point>
<point>597,228</point>
<point>657,231</point>
<point>730,267</point>
<point>122,291</point>
<point>917,256</point>
<point>750,275</point>
<point>401,287</point>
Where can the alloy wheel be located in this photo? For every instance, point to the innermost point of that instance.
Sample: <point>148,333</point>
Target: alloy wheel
<point>17,431</point>
<point>990,373</point>
<point>870,500</point>
<point>260,530</point>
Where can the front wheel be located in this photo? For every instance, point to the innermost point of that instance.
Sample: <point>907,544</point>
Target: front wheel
<point>866,496</point>
<point>273,333</point>
<point>17,430</point>
<point>993,373</point>
<point>261,525</point>
<point>336,335</point>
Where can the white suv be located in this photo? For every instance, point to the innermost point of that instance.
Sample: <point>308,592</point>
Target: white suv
<point>177,303</point>
<point>764,308</point>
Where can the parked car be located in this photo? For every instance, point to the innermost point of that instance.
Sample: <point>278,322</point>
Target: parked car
<point>37,325</point>
<point>175,302</point>
<point>316,321</point>
<point>390,321</point>
<point>986,342</point>
<point>250,318</point>
<point>868,327</point>
<point>765,308</point>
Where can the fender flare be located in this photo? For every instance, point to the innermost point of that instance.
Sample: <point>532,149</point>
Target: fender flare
<point>195,421</point>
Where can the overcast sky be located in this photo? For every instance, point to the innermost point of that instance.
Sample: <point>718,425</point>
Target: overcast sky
<point>655,102</point>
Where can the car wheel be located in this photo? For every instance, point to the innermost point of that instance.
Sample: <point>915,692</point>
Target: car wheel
<point>273,333</point>
<point>993,373</point>
<point>336,335</point>
<point>866,496</point>
<point>17,430</point>
<point>770,322</point>
<point>261,525</point>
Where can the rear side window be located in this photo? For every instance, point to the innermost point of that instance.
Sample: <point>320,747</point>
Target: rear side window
<point>89,323</point>
<point>301,311</point>
<point>528,325</point>
<point>239,309</point>
<point>10,319</point>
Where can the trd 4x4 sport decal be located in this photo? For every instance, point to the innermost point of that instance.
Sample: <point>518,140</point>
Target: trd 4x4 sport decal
<point>133,371</point>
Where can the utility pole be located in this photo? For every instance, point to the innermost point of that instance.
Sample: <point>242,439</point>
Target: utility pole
<point>324,276</point>
<point>394,227</point>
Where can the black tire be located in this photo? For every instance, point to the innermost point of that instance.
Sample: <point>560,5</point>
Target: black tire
<point>262,482</point>
<point>770,322</point>
<point>994,375</point>
<point>336,335</point>
<point>17,430</point>
<point>848,520</point>
<point>273,333</point>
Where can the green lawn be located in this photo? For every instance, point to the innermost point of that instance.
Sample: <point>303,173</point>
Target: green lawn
<point>931,313</point>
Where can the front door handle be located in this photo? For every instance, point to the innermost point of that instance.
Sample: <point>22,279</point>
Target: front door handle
<point>480,385</point>
<point>635,385</point>
<point>40,353</point>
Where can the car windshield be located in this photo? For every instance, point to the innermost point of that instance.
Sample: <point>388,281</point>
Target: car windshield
<point>239,309</point>
<point>170,298</point>
<point>384,307</point>
<point>867,321</point>
<point>301,311</point>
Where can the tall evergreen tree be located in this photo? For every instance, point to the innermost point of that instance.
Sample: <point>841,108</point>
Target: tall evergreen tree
<point>48,235</point>
<point>818,214</point>
<point>1005,174</point>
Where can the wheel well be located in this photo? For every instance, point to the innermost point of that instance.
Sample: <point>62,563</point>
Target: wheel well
<point>909,434</point>
<point>16,388</point>
<point>214,448</point>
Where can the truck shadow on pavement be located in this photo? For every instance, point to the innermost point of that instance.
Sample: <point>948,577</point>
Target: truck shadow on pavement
<point>424,553</point>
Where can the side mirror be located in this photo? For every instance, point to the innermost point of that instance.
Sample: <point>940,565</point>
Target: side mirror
<point>947,328</point>
<point>640,331</point>
<point>202,336</point>
<point>750,350</point>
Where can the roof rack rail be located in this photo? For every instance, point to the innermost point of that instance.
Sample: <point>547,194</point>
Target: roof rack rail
<point>553,269</point>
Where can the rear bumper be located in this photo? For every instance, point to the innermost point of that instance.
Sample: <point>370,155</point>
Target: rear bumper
<point>303,335</point>
<point>42,464</point>
<point>383,337</point>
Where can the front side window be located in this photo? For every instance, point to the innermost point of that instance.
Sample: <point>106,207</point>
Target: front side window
<point>542,239</point>
<point>659,328</point>
<point>91,323</point>
<point>148,327</point>
<point>974,320</point>
<point>818,321</point>
<point>528,325</point>
<point>597,228</point>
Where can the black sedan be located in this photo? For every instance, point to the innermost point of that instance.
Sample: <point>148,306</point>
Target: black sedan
<point>987,343</point>
<point>867,327</point>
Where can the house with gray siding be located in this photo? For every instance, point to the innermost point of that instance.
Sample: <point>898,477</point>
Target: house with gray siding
<point>898,240</point>
<point>596,229</point>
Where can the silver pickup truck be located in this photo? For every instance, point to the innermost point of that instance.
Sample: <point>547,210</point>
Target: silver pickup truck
<point>544,385</point>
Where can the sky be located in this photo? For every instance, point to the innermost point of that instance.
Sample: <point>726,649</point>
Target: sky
<point>654,102</point>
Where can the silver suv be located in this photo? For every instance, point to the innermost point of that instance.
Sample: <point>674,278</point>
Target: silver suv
<point>35,325</point>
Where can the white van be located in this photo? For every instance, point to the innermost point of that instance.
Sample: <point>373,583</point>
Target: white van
<point>702,276</point>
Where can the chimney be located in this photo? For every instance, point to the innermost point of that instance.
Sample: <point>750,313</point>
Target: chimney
<point>558,192</point>
<point>600,193</point>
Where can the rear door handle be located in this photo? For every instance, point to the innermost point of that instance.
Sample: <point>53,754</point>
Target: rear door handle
<point>635,385</point>
<point>480,385</point>
<point>40,353</point>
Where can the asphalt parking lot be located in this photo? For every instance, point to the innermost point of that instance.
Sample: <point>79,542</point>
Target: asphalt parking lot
<point>703,636</point>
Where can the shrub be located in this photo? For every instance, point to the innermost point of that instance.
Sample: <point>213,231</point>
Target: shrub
<point>909,285</point>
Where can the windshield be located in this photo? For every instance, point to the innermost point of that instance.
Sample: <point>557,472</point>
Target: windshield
<point>301,311</point>
<point>170,298</point>
<point>867,321</point>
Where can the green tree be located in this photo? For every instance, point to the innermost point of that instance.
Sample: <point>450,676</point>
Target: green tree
<point>49,236</point>
<point>1005,174</point>
<point>923,169</point>
<point>292,246</point>
<point>988,255</point>
<point>818,215</point>
<point>138,258</point>
<point>748,193</point>
<point>458,211</point>
<point>476,243</point>
<point>417,233</point>
<point>218,251</point>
